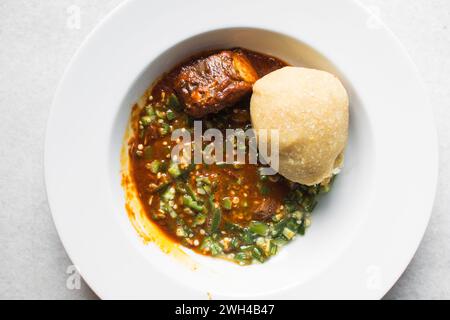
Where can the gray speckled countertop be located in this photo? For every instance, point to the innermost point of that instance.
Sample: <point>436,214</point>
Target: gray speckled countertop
<point>37,40</point>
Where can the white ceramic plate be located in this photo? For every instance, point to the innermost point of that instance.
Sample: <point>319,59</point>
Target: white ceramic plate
<point>364,233</point>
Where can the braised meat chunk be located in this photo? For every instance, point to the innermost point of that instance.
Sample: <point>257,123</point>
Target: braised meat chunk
<point>265,210</point>
<point>215,82</point>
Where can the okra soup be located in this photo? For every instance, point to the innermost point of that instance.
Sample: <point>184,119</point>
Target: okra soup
<point>230,151</point>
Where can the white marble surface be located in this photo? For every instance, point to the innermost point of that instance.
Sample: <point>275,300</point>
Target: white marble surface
<point>36,43</point>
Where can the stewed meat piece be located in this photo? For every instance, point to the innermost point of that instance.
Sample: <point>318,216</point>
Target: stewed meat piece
<point>265,210</point>
<point>215,82</point>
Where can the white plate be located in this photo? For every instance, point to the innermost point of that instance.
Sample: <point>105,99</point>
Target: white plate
<point>363,234</point>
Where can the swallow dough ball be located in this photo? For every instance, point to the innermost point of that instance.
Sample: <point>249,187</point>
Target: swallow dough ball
<point>310,109</point>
